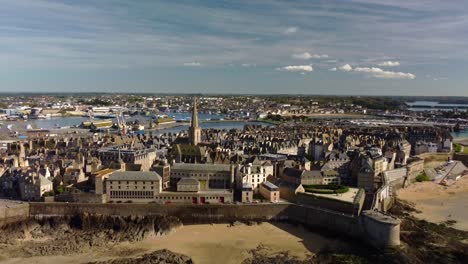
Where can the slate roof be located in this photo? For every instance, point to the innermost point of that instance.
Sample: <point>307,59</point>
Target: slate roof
<point>134,176</point>
<point>188,181</point>
<point>270,186</point>
<point>201,167</point>
<point>291,172</point>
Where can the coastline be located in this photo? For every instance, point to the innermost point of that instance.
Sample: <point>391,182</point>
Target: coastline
<point>208,243</point>
<point>437,203</point>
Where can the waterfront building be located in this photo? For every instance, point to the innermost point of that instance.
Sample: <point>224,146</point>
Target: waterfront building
<point>33,186</point>
<point>217,196</point>
<point>270,191</point>
<point>254,174</point>
<point>133,186</point>
<point>369,174</point>
<point>188,184</point>
<point>210,176</point>
<point>247,193</point>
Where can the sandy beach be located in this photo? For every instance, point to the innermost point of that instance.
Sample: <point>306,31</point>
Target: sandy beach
<point>439,203</point>
<point>216,243</point>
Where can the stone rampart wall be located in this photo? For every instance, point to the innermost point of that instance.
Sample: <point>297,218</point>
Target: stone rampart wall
<point>13,214</point>
<point>317,218</point>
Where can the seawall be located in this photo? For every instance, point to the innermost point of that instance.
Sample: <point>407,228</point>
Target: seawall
<point>372,227</point>
<point>461,157</point>
<point>11,213</point>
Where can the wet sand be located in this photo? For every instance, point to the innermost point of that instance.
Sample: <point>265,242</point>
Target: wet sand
<point>439,203</point>
<point>216,243</point>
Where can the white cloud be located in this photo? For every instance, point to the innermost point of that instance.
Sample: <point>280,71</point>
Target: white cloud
<point>296,68</point>
<point>333,69</point>
<point>379,73</point>
<point>346,68</point>
<point>290,30</point>
<point>389,63</point>
<point>192,64</point>
<point>307,55</point>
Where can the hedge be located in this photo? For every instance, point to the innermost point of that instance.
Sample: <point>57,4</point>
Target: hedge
<point>326,189</point>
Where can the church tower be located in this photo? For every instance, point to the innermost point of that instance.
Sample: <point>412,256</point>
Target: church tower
<point>194,131</point>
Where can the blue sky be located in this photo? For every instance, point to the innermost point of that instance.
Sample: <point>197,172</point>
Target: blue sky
<point>367,47</point>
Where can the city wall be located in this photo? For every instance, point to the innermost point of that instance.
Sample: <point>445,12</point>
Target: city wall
<point>363,228</point>
<point>461,157</point>
<point>13,214</point>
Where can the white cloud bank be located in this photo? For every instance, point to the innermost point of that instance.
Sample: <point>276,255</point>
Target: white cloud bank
<point>346,68</point>
<point>290,30</point>
<point>375,72</point>
<point>389,64</point>
<point>192,64</point>
<point>307,56</point>
<point>379,73</point>
<point>296,68</point>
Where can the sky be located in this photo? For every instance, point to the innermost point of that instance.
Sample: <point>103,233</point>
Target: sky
<point>348,47</point>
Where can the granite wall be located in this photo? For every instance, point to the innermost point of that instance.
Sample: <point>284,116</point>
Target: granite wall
<point>358,227</point>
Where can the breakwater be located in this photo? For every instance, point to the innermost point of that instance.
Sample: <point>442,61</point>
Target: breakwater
<point>371,227</point>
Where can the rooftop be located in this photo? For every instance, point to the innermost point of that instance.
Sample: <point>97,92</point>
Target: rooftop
<point>188,181</point>
<point>348,196</point>
<point>134,176</point>
<point>270,186</point>
<point>103,172</point>
<point>201,167</point>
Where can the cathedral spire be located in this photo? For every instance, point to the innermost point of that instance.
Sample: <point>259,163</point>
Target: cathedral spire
<point>194,113</point>
<point>194,130</point>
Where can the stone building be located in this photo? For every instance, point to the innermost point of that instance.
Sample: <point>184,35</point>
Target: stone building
<point>210,176</point>
<point>247,193</point>
<point>33,187</point>
<point>164,170</point>
<point>270,191</point>
<point>188,184</point>
<point>144,157</point>
<point>133,186</point>
<point>424,147</point>
<point>370,169</point>
<point>253,174</point>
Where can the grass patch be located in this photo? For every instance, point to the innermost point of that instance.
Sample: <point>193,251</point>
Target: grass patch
<point>460,149</point>
<point>422,177</point>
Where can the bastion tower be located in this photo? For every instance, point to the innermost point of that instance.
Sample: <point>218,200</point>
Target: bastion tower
<point>195,130</point>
